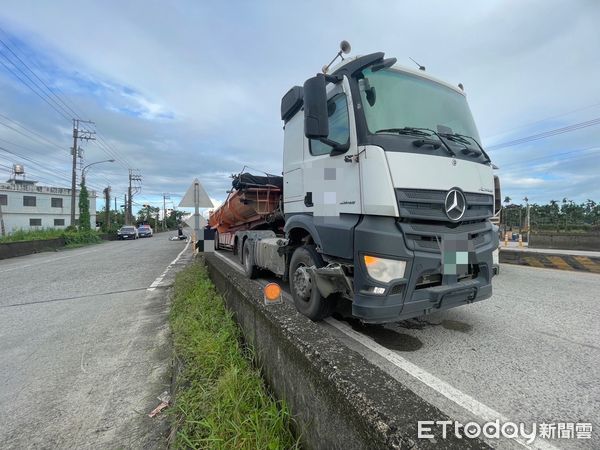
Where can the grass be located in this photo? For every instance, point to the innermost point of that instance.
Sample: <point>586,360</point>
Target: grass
<point>221,401</point>
<point>72,238</point>
<point>32,235</point>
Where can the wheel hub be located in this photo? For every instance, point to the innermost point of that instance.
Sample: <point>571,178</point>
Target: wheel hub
<point>302,283</point>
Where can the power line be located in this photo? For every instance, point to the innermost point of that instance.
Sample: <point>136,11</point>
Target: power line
<point>56,174</point>
<point>32,89</point>
<point>38,138</point>
<point>535,167</point>
<point>37,77</point>
<point>550,157</point>
<point>543,120</point>
<point>545,134</point>
<point>56,160</point>
<point>63,105</point>
<point>65,101</point>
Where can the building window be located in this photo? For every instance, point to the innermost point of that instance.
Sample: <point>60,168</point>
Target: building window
<point>59,222</point>
<point>3,199</point>
<point>56,202</point>
<point>35,222</point>
<point>28,200</point>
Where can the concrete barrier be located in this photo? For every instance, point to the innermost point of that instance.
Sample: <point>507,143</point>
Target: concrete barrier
<point>338,399</point>
<point>566,241</point>
<point>12,249</point>
<point>550,260</point>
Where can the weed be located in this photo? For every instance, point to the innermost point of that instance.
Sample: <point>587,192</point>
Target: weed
<point>221,400</point>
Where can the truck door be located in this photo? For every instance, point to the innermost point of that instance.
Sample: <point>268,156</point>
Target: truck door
<point>332,184</point>
<point>293,156</point>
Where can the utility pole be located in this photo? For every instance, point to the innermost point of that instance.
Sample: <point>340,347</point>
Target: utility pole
<point>77,134</point>
<point>165,197</point>
<point>2,222</point>
<point>125,205</point>
<point>527,220</point>
<point>132,177</point>
<point>107,208</point>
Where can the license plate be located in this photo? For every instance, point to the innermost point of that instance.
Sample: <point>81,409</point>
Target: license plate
<point>457,254</point>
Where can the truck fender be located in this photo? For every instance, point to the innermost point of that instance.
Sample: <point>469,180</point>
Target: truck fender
<point>305,223</point>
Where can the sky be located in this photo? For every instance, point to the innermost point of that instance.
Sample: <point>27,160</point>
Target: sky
<point>186,89</point>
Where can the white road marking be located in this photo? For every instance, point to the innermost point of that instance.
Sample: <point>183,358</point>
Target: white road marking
<point>160,278</point>
<point>230,262</point>
<point>460,398</point>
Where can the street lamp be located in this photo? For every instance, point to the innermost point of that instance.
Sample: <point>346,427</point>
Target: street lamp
<point>97,162</point>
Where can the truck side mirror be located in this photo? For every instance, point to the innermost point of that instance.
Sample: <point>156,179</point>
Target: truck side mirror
<point>316,119</point>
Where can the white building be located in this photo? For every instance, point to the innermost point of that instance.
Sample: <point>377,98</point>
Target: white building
<point>24,205</point>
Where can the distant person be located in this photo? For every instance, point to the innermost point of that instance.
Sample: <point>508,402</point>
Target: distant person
<point>180,232</point>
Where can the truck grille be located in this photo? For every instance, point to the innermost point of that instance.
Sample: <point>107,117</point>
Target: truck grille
<point>422,204</point>
<point>428,237</point>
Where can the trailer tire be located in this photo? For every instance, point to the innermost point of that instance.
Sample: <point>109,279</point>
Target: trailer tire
<point>216,240</point>
<point>250,269</point>
<point>307,298</point>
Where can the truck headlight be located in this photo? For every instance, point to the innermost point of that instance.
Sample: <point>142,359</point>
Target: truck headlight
<point>384,270</point>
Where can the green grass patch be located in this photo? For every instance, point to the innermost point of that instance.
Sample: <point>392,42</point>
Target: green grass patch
<point>32,235</point>
<point>221,400</point>
<point>79,238</point>
<point>72,238</point>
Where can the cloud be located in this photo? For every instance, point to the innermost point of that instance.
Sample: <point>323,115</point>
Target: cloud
<point>193,89</point>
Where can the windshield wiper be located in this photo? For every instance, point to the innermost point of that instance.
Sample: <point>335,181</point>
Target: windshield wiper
<point>405,130</point>
<point>419,132</point>
<point>464,139</point>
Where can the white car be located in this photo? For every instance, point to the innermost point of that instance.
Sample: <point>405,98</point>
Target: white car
<point>145,231</point>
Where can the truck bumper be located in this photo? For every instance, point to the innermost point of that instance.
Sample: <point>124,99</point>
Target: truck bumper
<point>424,289</point>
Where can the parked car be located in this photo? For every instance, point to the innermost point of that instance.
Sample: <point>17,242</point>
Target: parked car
<point>127,232</point>
<point>145,231</point>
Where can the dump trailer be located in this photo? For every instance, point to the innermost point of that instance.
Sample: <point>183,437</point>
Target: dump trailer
<point>385,200</point>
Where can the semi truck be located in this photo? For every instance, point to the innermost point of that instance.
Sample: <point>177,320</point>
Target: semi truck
<point>385,198</point>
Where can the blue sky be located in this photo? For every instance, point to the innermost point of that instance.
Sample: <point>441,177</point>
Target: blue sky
<point>193,89</point>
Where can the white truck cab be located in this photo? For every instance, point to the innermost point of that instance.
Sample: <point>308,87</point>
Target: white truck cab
<point>387,185</point>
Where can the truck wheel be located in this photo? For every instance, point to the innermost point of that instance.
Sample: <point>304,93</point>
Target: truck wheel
<point>249,267</point>
<point>307,298</point>
<point>217,240</point>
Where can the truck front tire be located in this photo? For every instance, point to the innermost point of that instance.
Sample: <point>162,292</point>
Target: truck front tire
<point>307,298</point>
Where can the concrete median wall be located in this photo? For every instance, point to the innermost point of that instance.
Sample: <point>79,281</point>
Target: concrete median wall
<point>338,399</point>
<point>566,241</point>
<point>12,249</point>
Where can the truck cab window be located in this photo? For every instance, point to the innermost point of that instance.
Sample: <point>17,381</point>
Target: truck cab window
<point>339,126</point>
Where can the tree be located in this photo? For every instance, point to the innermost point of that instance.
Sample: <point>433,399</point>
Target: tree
<point>147,214</point>
<point>174,218</point>
<point>507,199</point>
<point>84,209</point>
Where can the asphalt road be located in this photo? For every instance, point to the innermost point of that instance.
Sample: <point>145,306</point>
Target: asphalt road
<point>84,345</point>
<point>529,354</point>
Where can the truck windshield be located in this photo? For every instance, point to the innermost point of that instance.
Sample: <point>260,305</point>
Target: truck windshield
<point>392,99</point>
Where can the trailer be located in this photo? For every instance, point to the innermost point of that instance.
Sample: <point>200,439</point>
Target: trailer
<point>385,200</point>
<point>253,203</point>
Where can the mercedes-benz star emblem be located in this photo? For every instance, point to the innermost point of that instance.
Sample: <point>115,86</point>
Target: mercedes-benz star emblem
<point>455,205</point>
